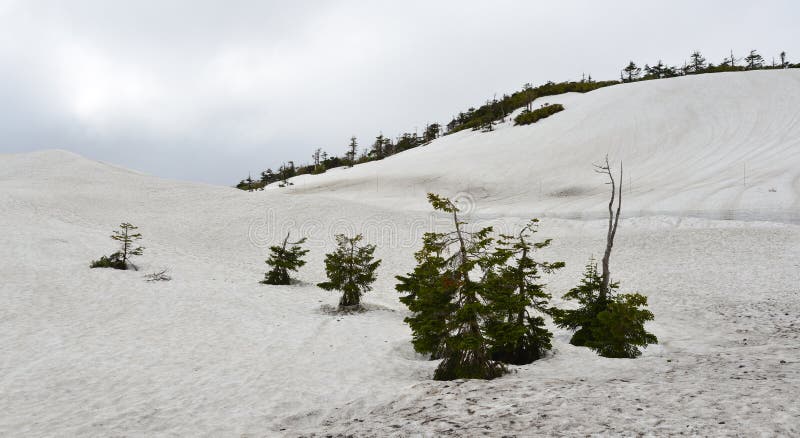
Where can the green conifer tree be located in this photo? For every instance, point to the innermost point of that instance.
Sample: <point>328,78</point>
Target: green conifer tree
<point>697,63</point>
<point>249,183</point>
<point>590,304</point>
<point>631,72</point>
<point>127,237</point>
<point>285,172</point>
<point>377,152</point>
<point>518,337</point>
<point>619,330</point>
<point>450,306</point>
<point>429,296</point>
<point>317,158</point>
<point>284,258</point>
<point>754,60</point>
<point>431,132</point>
<point>352,150</point>
<point>267,176</point>
<point>657,71</point>
<point>611,324</point>
<point>388,146</point>
<point>351,270</point>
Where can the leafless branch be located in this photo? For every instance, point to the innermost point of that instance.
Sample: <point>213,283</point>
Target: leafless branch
<point>613,220</point>
<point>158,276</point>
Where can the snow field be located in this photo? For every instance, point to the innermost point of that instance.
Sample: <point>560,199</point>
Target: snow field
<point>213,353</point>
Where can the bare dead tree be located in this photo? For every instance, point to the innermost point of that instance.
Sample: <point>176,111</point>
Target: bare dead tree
<point>613,221</point>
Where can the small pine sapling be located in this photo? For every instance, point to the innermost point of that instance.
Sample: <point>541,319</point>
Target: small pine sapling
<point>519,337</point>
<point>126,236</point>
<point>611,324</point>
<point>351,270</point>
<point>590,304</point>
<point>283,259</point>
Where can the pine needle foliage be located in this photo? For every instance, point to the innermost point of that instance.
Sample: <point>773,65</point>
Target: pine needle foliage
<point>619,331</point>
<point>612,324</point>
<point>283,259</point>
<point>519,336</point>
<point>113,261</point>
<point>449,305</point>
<point>351,270</point>
<point>476,301</point>
<point>590,303</point>
<point>429,296</point>
<point>127,238</point>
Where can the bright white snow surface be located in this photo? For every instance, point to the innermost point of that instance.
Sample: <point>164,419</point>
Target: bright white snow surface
<point>213,353</point>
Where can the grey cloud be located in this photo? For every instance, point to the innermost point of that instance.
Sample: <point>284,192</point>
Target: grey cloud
<point>211,90</point>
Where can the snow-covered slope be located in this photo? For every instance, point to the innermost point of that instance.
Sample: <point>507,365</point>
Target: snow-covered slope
<point>717,145</point>
<point>212,352</point>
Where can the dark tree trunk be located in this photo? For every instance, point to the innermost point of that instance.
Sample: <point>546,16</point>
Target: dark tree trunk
<point>613,223</point>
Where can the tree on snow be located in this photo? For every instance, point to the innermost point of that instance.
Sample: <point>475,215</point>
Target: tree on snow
<point>754,60</point>
<point>351,151</point>
<point>267,176</point>
<point>284,258</point>
<point>285,172</point>
<point>126,236</point>
<point>431,132</point>
<point>429,294</point>
<point>631,72</point>
<point>317,157</point>
<point>378,151</point>
<point>612,325</point>
<point>697,63</point>
<point>659,71</point>
<point>450,306</point>
<point>517,336</point>
<point>351,270</point>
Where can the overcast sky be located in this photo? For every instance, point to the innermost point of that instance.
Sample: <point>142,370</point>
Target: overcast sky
<point>209,91</point>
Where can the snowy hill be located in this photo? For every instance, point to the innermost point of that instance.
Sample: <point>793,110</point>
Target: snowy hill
<point>717,145</point>
<point>212,352</point>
